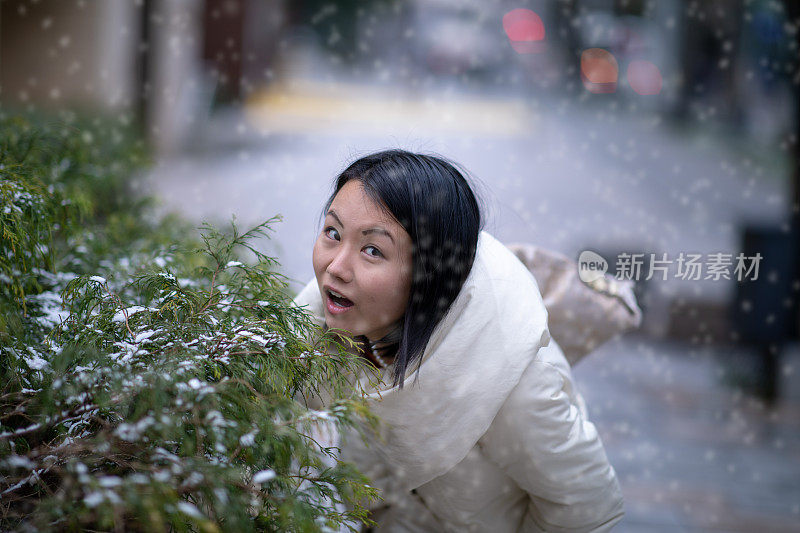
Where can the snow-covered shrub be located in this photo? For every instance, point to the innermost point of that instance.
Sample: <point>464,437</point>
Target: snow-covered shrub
<point>149,384</point>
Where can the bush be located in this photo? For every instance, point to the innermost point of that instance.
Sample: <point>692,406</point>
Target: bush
<point>149,378</point>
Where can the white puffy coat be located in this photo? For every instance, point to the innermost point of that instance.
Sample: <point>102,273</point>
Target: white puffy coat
<point>489,432</point>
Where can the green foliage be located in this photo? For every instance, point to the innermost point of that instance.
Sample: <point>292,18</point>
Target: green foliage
<point>66,193</point>
<point>147,379</point>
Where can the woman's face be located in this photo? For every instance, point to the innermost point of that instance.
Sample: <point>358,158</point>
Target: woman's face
<point>365,256</point>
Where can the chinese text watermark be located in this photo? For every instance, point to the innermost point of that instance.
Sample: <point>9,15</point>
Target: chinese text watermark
<point>688,266</point>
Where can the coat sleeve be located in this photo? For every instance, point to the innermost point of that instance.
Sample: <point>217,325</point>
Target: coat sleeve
<point>543,440</point>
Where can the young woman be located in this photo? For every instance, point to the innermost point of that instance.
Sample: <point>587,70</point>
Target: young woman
<point>490,434</point>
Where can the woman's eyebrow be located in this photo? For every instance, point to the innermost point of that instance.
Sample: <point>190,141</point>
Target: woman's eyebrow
<point>366,231</point>
<point>334,215</point>
<point>378,230</point>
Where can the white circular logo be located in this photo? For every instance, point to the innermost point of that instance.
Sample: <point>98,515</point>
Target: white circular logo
<point>591,266</point>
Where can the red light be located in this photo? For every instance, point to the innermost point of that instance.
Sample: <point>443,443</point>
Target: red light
<point>599,71</point>
<point>525,31</point>
<point>644,77</point>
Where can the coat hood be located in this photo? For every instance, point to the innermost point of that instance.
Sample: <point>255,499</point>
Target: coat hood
<point>475,357</point>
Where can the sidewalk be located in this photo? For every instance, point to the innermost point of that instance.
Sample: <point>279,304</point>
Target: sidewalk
<point>692,454</point>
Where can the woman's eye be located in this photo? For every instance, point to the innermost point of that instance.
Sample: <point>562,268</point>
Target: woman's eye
<point>329,229</point>
<point>335,236</point>
<point>377,254</point>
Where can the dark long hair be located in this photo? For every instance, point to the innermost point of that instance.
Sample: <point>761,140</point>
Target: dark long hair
<point>433,201</point>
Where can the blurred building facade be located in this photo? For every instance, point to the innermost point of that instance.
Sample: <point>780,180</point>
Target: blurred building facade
<point>159,62</point>
<point>57,53</point>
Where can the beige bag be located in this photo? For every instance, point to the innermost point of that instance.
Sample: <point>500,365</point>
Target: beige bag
<point>581,316</point>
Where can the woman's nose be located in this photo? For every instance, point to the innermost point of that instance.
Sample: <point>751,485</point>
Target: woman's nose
<point>340,266</point>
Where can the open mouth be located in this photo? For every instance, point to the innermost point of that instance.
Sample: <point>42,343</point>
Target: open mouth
<point>339,301</point>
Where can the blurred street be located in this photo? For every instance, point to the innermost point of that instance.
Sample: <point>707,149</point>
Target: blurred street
<point>564,177</point>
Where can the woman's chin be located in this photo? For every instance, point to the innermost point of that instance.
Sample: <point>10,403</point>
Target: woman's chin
<point>333,322</point>
<point>346,322</point>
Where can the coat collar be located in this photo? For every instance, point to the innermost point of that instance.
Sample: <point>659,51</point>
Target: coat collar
<point>474,358</point>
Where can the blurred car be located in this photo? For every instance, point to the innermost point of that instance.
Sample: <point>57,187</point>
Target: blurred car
<point>458,38</point>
